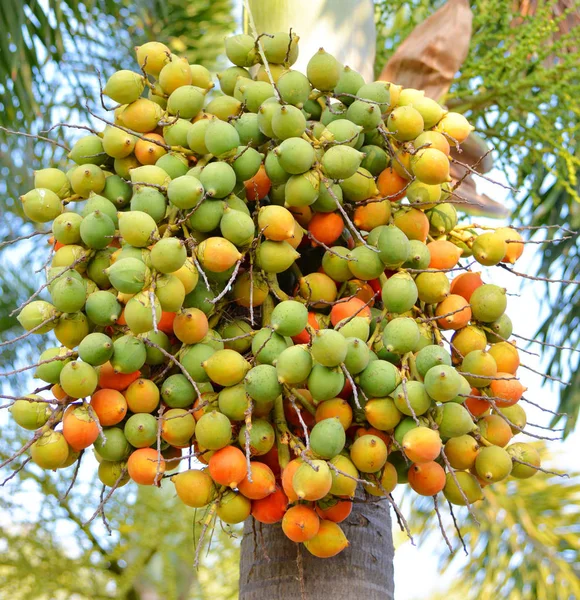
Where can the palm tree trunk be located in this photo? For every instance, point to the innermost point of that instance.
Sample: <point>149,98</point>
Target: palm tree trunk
<point>271,566</point>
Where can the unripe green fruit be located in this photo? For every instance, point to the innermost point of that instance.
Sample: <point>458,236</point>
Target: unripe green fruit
<point>255,93</point>
<point>35,313</point>
<point>365,114</point>
<point>401,335</point>
<point>240,49</point>
<point>262,384</point>
<point>141,430</point>
<point>357,355</point>
<point>502,329</point>
<point>341,162</point>
<point>323,71</point>
<point>54,180</point>
<point>128,275</point>
<point>525,453</point>
<point>213,431</point>
<point>137,228</point>
<point>431,111</point>
<point>399,293</point>
<point>71,329</point>
<point>66,228</point>
<point>96,349</point>
<point>325,383</point>
<point>168,255</point>
<point>139,313</point>
<point>102,308</point>
<point>174,164</point>
<point>110,473</point>
<point>422,193</point>
<point>124,86</point>
<point>88,150</point>
<point>41,205</point>
<point>302,190</point>
<point>289,318</point>
<point>186,101</point>
<point>281,48</point>
<point>50,451</point>
<point>30,414</point>
<point>267,346</point>
<point>394,247</point>
<point>118,143</point>
<point>221,138</point>
<point>364,263</point>
<point>233,508</point>
<point>117,191</point>
<point>208,216</point>
<point>348,84</point>
<point>405,123</point>
<point>249,131</point>
<point>275,257</point>
<point>218,179</point>
<point>432,287</point>
<point>78,379</point>
<point>129,354</point>
<point>412,398</point>
<point>177,392</point>
<point>327,438</point>
<point>453,420</point>
<point>196,136</point>
<point>403,427</point>
<point>229,77</point>
<point>335,264</point>
<point>343,131</point>
<point>113,446</point>
<point>50,371</point>
<point>358,327</point>
<point>335,112</point>
<point>294,88</point>
<point>375,161</point>
<point>86,179</point>
<point>295,156</point>
<point>460,486</point>
<point>150,201</point>
<point>341,484</point>
<point>233,402</point>
<point>379,379</point>
<point>185,192</point>
<point>247,163</point>
<point>431,356</point>
<point>419,256</point>
<point>265,114</point>
<point>176,133</point>
<point>360,186</point>
<point>154,355</point>
<point>493,464</point>
<point>442,383</point>
<point>97,230</point>
<point>170,292</point>
<point>294,365</point>
<point>68,294</point>
<point>442,218</point>
<point>200,298</point>
<point>237,227</point>
<point>262,437</point>
<point>488,303</point>
<point>224,107</point>
<point>329,347</point>
<point>287,122</point>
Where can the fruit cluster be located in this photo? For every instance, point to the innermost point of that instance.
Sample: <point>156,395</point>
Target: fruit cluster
<point>317,205</point>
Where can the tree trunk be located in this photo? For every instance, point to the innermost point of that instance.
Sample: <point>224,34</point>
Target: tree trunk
<point>271,566</point>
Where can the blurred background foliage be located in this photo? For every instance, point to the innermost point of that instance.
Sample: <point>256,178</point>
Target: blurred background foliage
<point>519,85</point>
